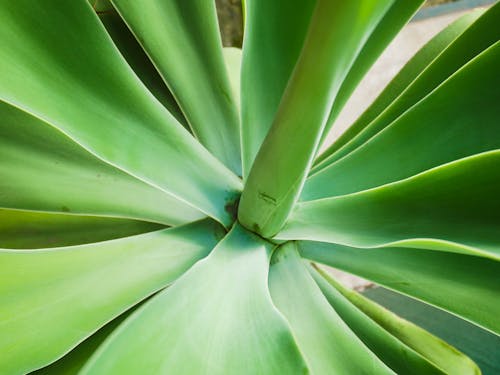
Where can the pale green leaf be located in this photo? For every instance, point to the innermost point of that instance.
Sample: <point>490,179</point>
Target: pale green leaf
<point>41,169</point>
<point>405,347</point>
<point>232,58</point>
<point>337,33</point>
<point>453,208</point>
<point>388,27</point>
<point>418,82</point>
<point>464,285</point>
<point>328,344</point>
<point>182,39</point>
<point>50,300</point>
<point>274,35</point>
<point>69,74</point>
<point>29,230</point>
<point>464,121</point>
<point>218,318</point>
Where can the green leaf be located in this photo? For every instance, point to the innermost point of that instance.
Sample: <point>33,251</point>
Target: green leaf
<point>274,35</point>
<point>29,230</point>
<point>388,27</point>
<point>464,285</point>
<point>74,361</point>
<point>218,318</point>
<point>69,74</point>
<point>139,61</point>
<point>464,122</point>
<point>60,296</point>
<point>337,33</point>
<point>328,344</point>
<point>478,37</point>
<point>182,38</point>
<point>454,208</point>
<point>405,347</point>
<point>232,58</point>
<point>41,169</point>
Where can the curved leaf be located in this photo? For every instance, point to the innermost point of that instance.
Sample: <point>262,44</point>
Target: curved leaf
<point>139,61</point>
<point>328,344</point>
<point>274,184</point>
<point>475,39</point>
<point>41,169</point>
<point>405,347</point>
<point>232,58</point>
<point>69,74</point>
<point>274,35</point>
<point>464,285</point>
<point>456,204</point>
<point>388,27</point>
<point>218,318</point>
<point>60,296</point>
<point>29,230</point>
<point>182,38</point>
<point>464,122</point>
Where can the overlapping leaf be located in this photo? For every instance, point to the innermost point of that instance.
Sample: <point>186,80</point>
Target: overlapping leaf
<point>454,208</point>
<point>218,318</point>
<point>461,284</point>
<point>458,119</point>
<point>60,296</point>
<point>274,183</point>
<point>182,38</point>
<point>413,84</point>
<point>328,344</point>
<point>41,169</point>
<point>69,74</point>
<point>403,346</point>
<point>30,230</point>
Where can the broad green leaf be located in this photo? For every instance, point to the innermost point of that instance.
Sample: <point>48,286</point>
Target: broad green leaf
<point>454,207</point>
<point>139,61</point>
<point>328,344</point>
<point>183,41</point>
<point>464,285</point>
<point>274,35</point>
<point>30,230</point>
<point>405,347</point>
<point>58,297</point>
<point>479,36</point>
<point>464,121</point>
<point>41,169</point>
<point>69,74</point>
<point>337,33</point>
<point>73,362</point>
<point>218,318</point>
<point>232,58</point>
<point>388,27</point>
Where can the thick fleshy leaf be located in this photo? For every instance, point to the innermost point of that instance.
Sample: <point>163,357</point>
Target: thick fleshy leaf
<point>218,318</point>
<point>41,169</point>
<point>139,61</point>
<point>73,362</point>
<point>328,344</point>
<point>454,208</point>
<point>337,33</point>
<point>182,38</point>
<point>475,39</point>
<point>60,296</point>
<point>405,347</point>
<point>464,121</point>
<point>393,21</point>
<point>232,58</point>
<point>92,95</point>
<point>30,230</point>
<point>274,35</point>
<point>464,285</point>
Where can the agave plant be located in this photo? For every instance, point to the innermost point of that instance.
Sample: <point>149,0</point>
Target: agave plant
<point>165,209</point>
